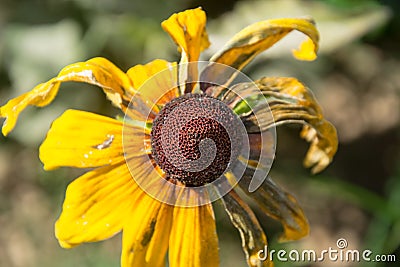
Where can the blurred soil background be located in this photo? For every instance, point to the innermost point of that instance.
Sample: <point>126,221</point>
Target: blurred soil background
<point>356,79</point>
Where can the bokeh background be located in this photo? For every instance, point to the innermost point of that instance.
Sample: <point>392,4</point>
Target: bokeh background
<point>356,79</point>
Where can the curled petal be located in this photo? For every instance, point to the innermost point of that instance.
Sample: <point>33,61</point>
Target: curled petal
<point>323,144</point>
<point>95,205</point>
<point>289,101</point>
<point>253,237</point>
<point>292,102</point>
<point>193,241</point>
<point>188,30</point>
<point>307,51</point>
<point>96,71</point>
<point>254,39</point>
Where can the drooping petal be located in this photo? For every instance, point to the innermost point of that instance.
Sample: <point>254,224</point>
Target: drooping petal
<point>253,237</point>
<point>95,205</point>
<point>146,233</point>
<point>292,102</point>
<point>159,79</point>
<point>323,141</point>
<point>96,71</point>
<point>193,241</point>
<point>278,204</point>
<point>288,101</point>
<point>188,30</point>
<point>254,39</point>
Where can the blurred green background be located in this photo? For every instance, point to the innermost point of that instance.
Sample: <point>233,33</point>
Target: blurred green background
<point>356,80</point>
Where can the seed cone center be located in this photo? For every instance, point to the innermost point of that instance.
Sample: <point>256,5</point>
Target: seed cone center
<point>194,139</point>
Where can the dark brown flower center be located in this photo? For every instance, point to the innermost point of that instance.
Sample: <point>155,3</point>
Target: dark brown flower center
<point>194,138</point>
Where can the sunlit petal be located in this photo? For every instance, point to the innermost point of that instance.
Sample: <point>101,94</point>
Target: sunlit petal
<point>161,84</point>
<point>146,233</point>
<point>72,141</point>
<point>159,78</point>
<point>193,241</point>
<point>188,30</point>
<point>95,205</point>
<point>85,140</point>
<point>97,71</point>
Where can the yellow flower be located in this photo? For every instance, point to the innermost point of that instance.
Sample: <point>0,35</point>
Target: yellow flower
<point>135,185</point>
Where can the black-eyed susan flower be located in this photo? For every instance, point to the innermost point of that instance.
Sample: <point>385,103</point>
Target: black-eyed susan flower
<point>194,132</point>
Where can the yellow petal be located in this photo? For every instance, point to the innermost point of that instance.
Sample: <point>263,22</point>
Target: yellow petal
<point>254,39</point>
<point>188,30</point>
<point>111,77</point>
<point>193,241</point>
<point>95,205</point>
<point>156,83</point>
<point>278,204</point>
<point>86,140</point>
<point>82,139</point>
<point>97,71</point>
<point>139,74</point>
<point>146,233</point>
<point>251,233</point>
<point>306,51</point>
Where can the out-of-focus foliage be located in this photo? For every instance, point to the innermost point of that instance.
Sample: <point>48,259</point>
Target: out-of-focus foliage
<point>356,80</point>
